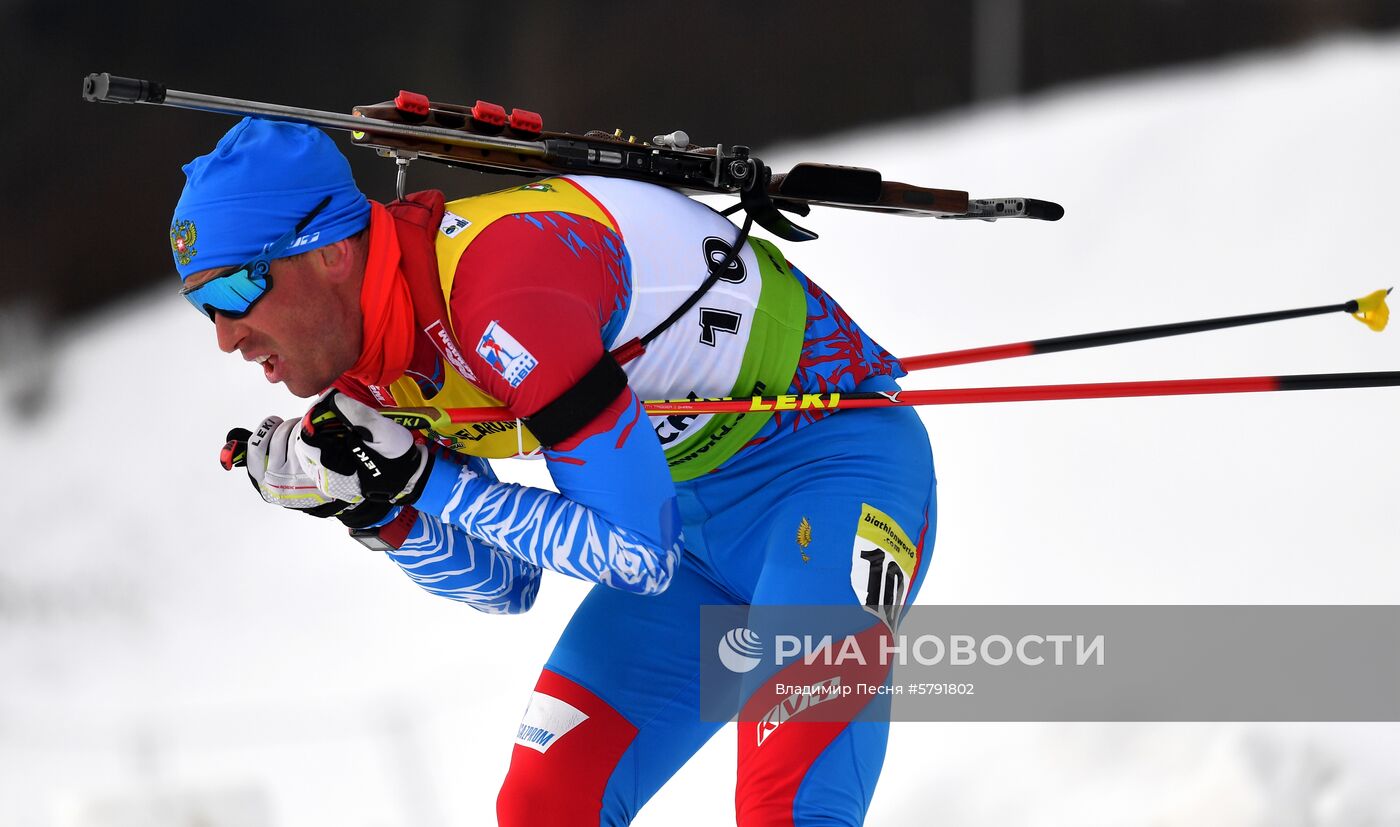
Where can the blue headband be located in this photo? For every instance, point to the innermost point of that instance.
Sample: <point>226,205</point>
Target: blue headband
<point>261,179</point>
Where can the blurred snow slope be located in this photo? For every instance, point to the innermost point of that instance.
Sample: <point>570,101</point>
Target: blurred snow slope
<point>165,634</point>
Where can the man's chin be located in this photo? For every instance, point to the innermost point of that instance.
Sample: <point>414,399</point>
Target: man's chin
<point>304,389</point>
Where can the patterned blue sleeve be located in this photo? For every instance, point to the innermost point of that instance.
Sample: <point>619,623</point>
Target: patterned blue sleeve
<point>614,522</point>
<point>446,561</point>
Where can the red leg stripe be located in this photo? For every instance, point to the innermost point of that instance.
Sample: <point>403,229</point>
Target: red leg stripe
<point>566,749</point>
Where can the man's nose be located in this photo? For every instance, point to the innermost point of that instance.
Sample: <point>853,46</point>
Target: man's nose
<point>229,332</point>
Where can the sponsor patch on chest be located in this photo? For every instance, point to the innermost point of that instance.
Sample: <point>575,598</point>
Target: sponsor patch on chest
<point>505,355</point>
<point>442,340</point>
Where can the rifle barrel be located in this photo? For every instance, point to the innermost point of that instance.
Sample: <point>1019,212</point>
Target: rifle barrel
<point>108,88</point>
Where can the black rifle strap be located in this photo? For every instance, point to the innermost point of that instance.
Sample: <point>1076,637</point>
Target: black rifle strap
<point>580,404</point>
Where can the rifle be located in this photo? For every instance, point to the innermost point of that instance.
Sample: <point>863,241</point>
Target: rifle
<point>485,137</point>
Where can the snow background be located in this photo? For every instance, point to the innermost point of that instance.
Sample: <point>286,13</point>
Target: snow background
<point>172,651</point>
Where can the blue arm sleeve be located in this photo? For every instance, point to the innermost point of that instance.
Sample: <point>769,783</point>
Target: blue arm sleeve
<point>614,522</point>
<point>446,561</point>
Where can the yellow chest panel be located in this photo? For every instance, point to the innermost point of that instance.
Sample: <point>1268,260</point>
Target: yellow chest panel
<point>463,221</point>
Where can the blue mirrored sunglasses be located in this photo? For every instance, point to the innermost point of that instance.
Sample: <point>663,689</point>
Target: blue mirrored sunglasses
<point>234,293</point>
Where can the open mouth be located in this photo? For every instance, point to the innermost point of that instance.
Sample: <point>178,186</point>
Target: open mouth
<point>270,365</point>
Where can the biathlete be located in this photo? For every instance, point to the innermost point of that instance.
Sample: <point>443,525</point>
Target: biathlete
<point>519,298</point>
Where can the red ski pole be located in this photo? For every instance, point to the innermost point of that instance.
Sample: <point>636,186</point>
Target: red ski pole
<point>438,418</point>
<point>442,419</point>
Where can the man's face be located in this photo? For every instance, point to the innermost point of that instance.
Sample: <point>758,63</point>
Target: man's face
<point>305,330</point>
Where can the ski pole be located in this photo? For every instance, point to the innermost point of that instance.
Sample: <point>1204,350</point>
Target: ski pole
<point>428,417</point>
<point>441,419</point>
<point>1371,310</point>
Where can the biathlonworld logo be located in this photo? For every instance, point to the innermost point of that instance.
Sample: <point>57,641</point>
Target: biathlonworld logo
<point>740,650</point>
<point>182,237</point>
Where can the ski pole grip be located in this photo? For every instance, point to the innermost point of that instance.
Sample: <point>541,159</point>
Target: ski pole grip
<point>108,88</point>
<point>235,451</point>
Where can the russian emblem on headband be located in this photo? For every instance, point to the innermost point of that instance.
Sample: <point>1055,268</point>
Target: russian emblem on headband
<point>182,236</point>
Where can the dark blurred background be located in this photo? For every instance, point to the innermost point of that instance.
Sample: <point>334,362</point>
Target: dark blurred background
<point>89,188</point>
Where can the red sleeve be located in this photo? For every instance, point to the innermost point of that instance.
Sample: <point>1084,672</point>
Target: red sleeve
<point>526,309</point>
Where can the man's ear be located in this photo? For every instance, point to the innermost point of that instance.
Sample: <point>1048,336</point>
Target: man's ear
<point>337,260</point>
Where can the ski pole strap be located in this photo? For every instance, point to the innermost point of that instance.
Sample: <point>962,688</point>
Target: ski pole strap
<point>580,404</point>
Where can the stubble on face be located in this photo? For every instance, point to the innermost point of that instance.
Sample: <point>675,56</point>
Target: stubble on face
<point>313,326</point>
<point>306,329</point>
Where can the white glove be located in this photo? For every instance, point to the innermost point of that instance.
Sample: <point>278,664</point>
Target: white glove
<point>278,473</point>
